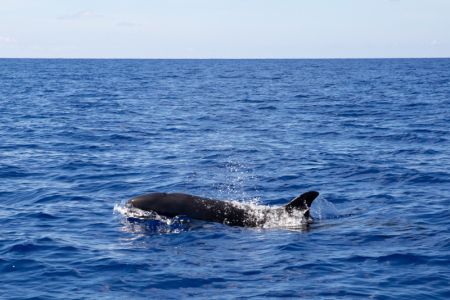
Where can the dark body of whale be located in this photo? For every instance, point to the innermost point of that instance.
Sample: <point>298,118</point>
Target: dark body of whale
<point>176,204</point>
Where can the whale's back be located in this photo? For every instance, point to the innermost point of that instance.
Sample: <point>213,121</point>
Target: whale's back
<point>237,214</point>
<point>176,204</point>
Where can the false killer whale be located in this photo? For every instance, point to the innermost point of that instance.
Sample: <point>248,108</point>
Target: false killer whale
<point>226,212</point>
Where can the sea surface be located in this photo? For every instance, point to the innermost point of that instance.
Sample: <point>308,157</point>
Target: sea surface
<point>78,138</point>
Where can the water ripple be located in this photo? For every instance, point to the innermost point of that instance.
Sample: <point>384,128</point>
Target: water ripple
<point>80,137</point>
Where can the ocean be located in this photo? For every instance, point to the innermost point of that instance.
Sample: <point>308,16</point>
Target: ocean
<point>78,138</point>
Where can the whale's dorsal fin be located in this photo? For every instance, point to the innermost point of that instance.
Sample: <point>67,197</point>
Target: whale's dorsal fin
<point>302,202</point>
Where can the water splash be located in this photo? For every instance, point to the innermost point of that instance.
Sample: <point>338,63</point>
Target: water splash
<point>273,216</point>
<point>235,178</point>
<point>135,220</point>
<point>322,209</point>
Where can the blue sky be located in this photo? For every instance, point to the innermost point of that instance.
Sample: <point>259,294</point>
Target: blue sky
<point>225,28</point>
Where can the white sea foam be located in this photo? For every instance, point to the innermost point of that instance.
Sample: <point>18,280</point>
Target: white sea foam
<point>129,211</point>
<point>135,221</point>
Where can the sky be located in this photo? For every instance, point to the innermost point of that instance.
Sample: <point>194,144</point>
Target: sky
<point>224,28</point>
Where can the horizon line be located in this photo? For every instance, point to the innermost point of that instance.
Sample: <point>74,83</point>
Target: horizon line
<point>229,58</point>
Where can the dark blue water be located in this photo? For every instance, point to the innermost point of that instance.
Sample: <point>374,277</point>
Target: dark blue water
<point>80,137</point>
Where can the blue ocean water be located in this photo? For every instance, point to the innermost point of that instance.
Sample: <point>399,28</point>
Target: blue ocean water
<point>80,137</point>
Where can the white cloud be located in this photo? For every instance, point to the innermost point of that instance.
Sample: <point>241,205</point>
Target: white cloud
<point>128,24</point>
<point>84,14</point>
<point>435,43</point>
<point>7,40</point>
